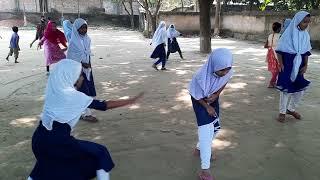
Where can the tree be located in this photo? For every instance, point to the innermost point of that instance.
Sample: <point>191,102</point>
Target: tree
<point>205,25</point>
<point>129,11</point>
<point>217,19</point>
<point>147,5</point>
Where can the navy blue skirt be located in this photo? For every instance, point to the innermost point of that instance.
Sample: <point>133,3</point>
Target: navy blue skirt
<point>60,156</point>
<point>202,115</point>
<point>173,46</point>
<point>88,87</point>
<point>159,52</point>
<point>284,82</point>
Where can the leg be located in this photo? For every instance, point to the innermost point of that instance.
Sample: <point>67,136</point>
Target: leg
<point>273,79</point>
<point>293,104</point>
<point>156,63</point>
<point>283,102</point>
<point>168,54</point>
<point>48,68</point>
<point>16,55</point>
<point>102,175</point>
<point>205,134</point>
<point>179,51</point>
<point>32,43</point>
<point>163,63</point>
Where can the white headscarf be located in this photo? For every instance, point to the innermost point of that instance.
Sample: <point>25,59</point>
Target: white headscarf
<point>295,41</point>
<point>160,36</point>
<point>67,29</point>
<point>63,103</point>
<point>172,32</point>
<point>79,46</point>
<point>205,82</point>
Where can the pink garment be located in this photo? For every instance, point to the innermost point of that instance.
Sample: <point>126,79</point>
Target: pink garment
<point>52,52</point>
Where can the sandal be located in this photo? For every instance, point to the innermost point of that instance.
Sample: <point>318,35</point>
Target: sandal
<point>294,114</point>
<point>281,118</point>
<point>155,67</point>
<point>203,176</point>
<point>91,119</point>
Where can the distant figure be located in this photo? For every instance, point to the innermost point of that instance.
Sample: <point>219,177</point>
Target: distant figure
<point>271,59</point>
<point>159,42</point>
<point>40,30</point>
<point>14,44</point>
<point>51,40</point>
<point>293,53</point>
<point>205,88</point>
<point>67,29</point>
<point>173,45</point>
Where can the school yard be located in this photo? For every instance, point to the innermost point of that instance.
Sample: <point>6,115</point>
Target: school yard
<point>154,139</point>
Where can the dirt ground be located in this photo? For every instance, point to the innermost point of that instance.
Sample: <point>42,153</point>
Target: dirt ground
<point>154,139</point>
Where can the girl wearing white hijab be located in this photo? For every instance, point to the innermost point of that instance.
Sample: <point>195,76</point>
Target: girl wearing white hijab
<point>80,50</point>
<point>67,29</point>
<point>159,43</point>
<point>293,51</point>
<point>205,88</point>
<point>59,155</point>
<point>173,45</point>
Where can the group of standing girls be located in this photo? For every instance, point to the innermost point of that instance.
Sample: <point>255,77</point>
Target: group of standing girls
<point>288,62</point>
<point>70,91</point>
<point>287,59</point>
<point>61,156</point>
<point>160,38</point>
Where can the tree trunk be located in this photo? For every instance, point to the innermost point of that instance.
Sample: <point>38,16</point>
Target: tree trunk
<point>153,23</point>
<point>182,6</point>
<point>205,25</point>
<point>132,14</point>
<point>217,19</point>
<point>35,2</point>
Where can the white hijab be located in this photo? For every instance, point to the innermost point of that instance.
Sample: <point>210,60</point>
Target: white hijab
<point>63,103</point>
<point>205,82</point>
<point>295,41</point>
<point>80,46</point>
<point>67,29</point>
<point>172,32</point>
<point>160,36</point>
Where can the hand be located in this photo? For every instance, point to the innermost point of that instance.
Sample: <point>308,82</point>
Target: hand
<point>211,111</point>
<point>79,82</point>
<point>39,46</point>
<point>303,69</point>
<point>64,49</point>
<point>212,98</point>
<point>136,98</point>
<point>280,67</point>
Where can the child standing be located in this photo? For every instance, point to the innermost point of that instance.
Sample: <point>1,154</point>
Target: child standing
<point>59,155</point>
<point>293,51</point>
<point>271,59</point>
<point>173,45</point>
<point>40,30</point>
<point>159,43</point>
<point>80,50</point>
<point>51,40</point>
<point>14,45</point>
<point>205,88</point>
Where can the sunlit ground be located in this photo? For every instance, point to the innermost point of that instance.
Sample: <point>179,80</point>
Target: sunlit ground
<point>154,139</point>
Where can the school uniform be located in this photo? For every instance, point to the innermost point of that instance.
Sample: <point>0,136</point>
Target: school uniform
<point>58,154</point>
<point>294,45</point>
<point>159,43</point>
<point>203,84</point>
<point>173,45</point>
